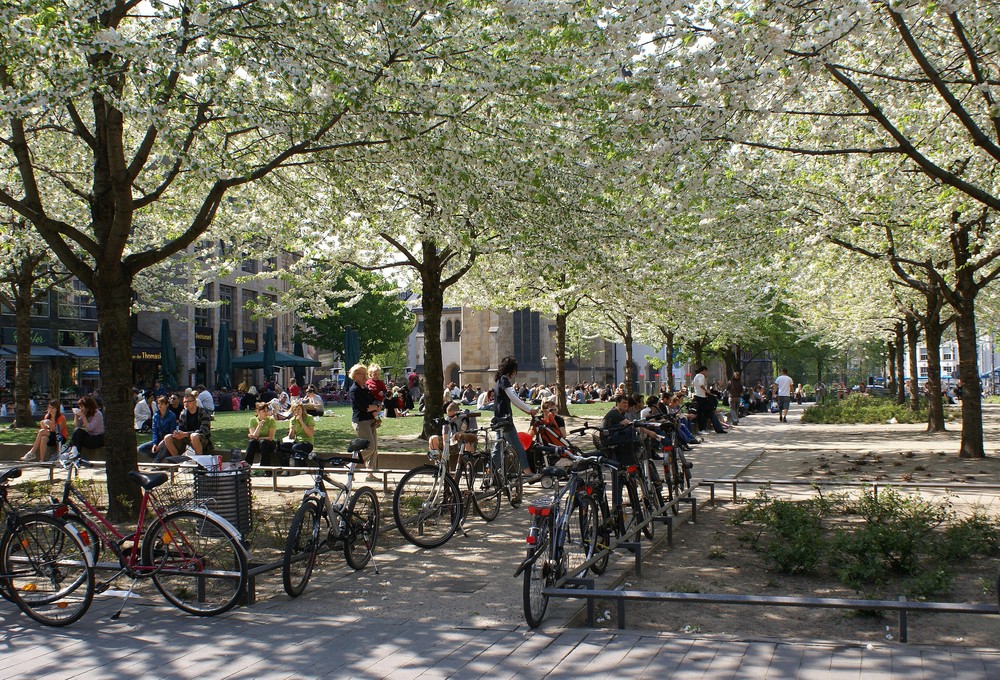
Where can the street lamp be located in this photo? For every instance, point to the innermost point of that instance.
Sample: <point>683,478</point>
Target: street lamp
<point>545,370</point>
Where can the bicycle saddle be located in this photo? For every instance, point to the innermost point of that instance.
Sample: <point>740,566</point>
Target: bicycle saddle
<point>357,445</point>
<point>9,474</point>
<point>557,472</point>
<point>148,481</point>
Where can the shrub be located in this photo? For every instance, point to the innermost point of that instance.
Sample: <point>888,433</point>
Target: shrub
<point>857,408</point>
<point>978,534</point>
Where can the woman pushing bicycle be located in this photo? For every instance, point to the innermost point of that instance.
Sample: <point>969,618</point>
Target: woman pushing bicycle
<point>503,418</point>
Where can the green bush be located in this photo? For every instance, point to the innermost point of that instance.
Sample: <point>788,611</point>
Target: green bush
<point>857,408</point>
<point>873,541</point>
<point>794,529</point>
<point>976,535</point>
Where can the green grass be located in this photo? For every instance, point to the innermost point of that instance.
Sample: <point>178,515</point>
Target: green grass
<point>333,432</point>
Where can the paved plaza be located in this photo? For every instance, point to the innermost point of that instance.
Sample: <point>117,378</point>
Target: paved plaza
<point>429,616</point>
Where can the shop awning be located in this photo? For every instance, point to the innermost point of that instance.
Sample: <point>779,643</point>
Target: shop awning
<point>145,348</point>
<point>38,351</point>
<point>82,352</point>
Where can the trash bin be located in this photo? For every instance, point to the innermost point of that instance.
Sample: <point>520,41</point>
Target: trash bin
<point>227,493</point>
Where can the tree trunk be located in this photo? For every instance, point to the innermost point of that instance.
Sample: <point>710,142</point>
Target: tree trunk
<point>899,330</point>
<point>22,377</point>
<point>670,360</point>
<point>113,299</point>
<point>890,347</point>
<point>933,330</point>
<point>912,337</point>
<point>819,367</point>
<point>968,367</point>
<point>627,340</point>
<point>563,407</point>
<point>432,299</point>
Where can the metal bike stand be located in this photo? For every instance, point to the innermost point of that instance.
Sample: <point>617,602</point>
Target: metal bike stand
<point>586,584</point>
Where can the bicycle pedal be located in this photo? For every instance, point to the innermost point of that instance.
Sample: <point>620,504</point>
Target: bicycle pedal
<point>101,588</point>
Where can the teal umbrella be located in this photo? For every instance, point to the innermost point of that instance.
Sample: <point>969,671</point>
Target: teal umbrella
<point>269,350</point>
<point>168,363</point>
<point>223,359</point>
<point>352,348</point>
<point>300,371</point>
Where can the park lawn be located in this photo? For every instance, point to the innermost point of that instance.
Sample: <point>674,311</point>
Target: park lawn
<point>333,431</point>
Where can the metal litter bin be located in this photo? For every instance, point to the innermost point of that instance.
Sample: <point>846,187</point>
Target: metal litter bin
<point>227,493</point>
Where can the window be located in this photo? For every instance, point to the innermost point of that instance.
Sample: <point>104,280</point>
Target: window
<point>458,329</point>
<point>923,371</point>
<point>77,338</point>
<point>78,304</point>
<point>203,315</point>
<point>448,331</point>
<point>249,300</point>
<point>272,264</point>
<point>249,266</point>
<point>923,355</point>
<point>946,356</point>
<point>226,297</point>
<point>527,335</point>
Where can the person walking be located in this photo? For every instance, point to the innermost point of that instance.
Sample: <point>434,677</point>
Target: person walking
<point>735,390</point>
<point>783,384</point>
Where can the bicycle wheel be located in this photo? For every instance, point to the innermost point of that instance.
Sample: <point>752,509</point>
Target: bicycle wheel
<point>427,506</point>
<point>685,467</point>
<point>676,478</point>
<point>630,512</point>
<point>512,470</point>
<point>536,578</point>
<point>643,487</point>
<point>199,566</point>
<point>603,537</point>
<point>46,571</point>
<point>578,537</point>
<point>301,548</point>
<point>485,489</point>
<point>361,534</point>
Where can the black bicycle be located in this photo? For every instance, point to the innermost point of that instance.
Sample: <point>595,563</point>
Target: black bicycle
<point>563,535</point>
<point>45,567</point>
<point>618,502</point>
<point>323,523</point>
<point>431,503</point>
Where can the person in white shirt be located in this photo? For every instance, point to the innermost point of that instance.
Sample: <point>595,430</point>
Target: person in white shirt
<point>205,399</point>
<point>784,383</point>
<point>143,413</point>
<point>701,401</point>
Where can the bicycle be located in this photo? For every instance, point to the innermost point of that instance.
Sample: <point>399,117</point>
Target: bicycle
<point>350,520</point>
<point>429,506</point>
<point>617,518</point>
<point>563,535</point>
<point>195,557</point>
<point>45,568</point>
<point>504,455</point>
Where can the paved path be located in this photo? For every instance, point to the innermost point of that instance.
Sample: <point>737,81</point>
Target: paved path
<point>431,616</point>
<point>158,642</point>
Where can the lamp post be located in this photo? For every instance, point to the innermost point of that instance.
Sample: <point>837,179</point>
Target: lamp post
<point>545,371</point>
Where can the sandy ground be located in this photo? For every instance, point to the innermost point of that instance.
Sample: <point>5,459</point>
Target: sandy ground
<point>709,557</point>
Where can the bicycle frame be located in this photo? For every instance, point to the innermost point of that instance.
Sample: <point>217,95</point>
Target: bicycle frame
<point>75,504</point>
<point>333,506</point>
